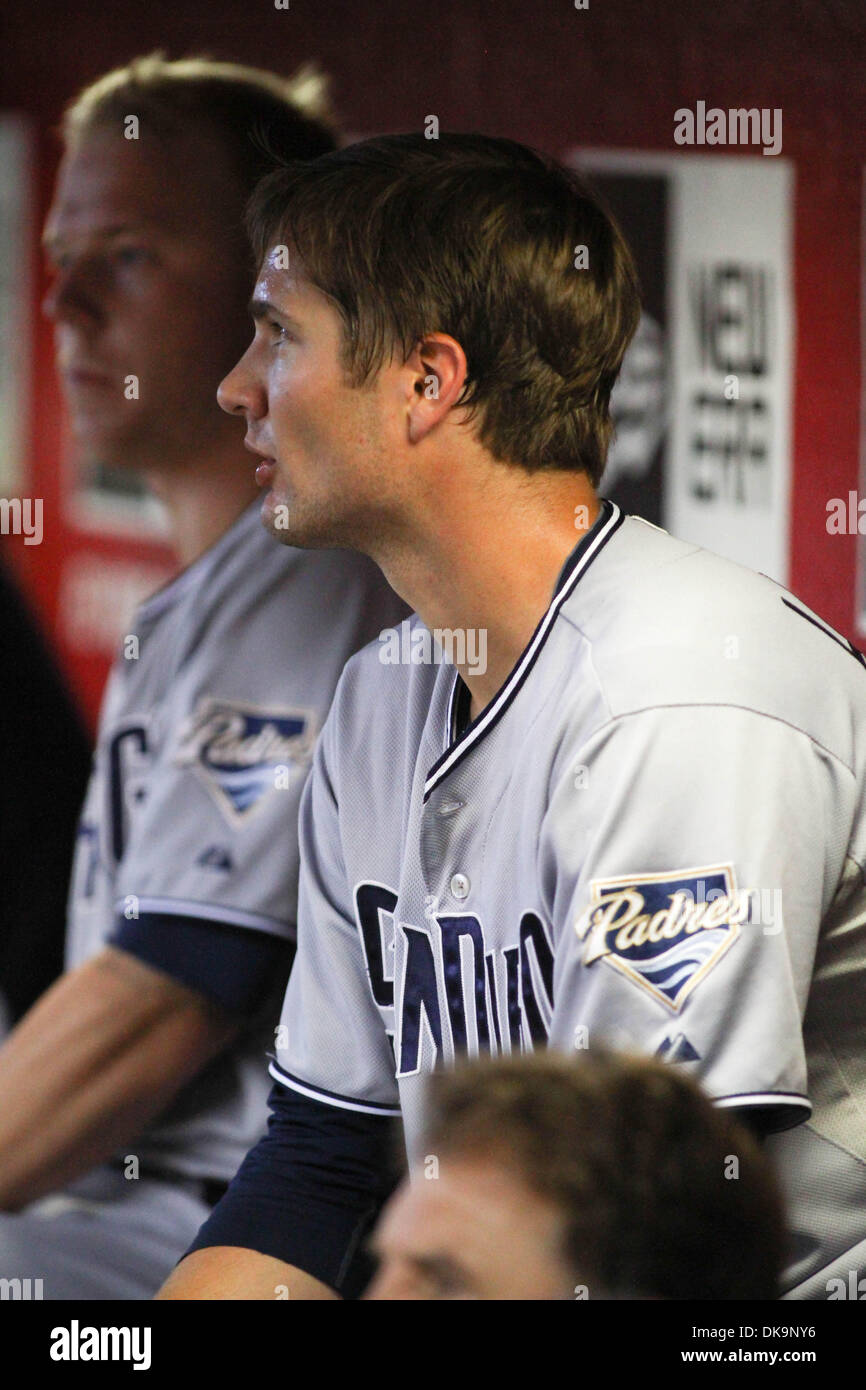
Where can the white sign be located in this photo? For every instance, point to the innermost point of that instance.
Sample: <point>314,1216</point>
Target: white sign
<point>727,465</point>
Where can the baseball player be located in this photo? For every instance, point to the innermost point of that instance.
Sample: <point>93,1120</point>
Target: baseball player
<point>133,1088</point>
<point>632,814</point>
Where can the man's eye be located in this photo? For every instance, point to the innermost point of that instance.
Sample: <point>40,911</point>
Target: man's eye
<point>282,334</point>
<point>130,255</point>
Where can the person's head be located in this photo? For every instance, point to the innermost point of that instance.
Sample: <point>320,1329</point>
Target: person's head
<point>548,1177</point>
<point>461,284</point>
<point>146,237</point>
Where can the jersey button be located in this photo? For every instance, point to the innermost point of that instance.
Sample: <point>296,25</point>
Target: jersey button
<point>460,886</point>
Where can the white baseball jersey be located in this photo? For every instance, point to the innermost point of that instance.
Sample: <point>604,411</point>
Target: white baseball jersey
<point>188,832</point>
<point>652,837</point>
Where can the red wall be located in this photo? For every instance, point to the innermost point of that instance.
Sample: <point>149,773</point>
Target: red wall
<point>554,76</point>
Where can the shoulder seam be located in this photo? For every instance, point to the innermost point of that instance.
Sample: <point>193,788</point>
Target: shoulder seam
<point>722,704</point>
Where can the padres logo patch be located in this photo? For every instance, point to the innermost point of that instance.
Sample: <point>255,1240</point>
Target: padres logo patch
<point>239,751</point>
<point>664,931</point>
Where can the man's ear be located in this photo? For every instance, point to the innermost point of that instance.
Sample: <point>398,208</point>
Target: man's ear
<point>438,370</point>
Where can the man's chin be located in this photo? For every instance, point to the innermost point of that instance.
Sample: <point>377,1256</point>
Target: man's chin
<point>287,524</point>
<point>275,517</point>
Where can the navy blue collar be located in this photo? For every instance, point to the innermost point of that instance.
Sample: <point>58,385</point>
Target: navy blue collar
<point>458,743</point>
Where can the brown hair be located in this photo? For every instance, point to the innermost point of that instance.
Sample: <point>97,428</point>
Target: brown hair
<point>636,1158</point>
<point>256,116</point>
<point>479,238</point>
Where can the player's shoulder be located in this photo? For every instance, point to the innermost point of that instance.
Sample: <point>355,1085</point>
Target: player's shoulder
<point>396,669</point>
<point>387,687</point>
<point>653,588</point>
<point>670,623</point>
<point>379,713</point>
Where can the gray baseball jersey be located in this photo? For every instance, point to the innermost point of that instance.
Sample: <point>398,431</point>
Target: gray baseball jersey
<point>652,837</point>
<point>188,833</point>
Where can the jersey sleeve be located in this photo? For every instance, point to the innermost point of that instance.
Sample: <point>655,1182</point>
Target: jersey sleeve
<point>310,1191</point>
<point>214,840</point>
<point>331,1043</point>
<point>682,857</point>
<point>207,787</point>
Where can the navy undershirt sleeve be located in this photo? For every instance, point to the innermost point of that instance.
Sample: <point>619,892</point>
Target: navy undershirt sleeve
<point>310,1191</point>
<point>234,967</point>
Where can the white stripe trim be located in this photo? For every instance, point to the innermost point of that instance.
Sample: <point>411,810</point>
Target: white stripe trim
<point>329,1099</point>
<point>206,912</point>
<point>529,655</point>
<point>764,1098</point>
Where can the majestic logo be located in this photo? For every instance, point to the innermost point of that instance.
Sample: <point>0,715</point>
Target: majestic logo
<point>677,1049</point>
<point>665,931</point>
<point>240,752</point>
<point>216,857</point>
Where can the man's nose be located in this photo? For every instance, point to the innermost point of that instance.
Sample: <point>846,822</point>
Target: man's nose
<point>240,393</point>
<point>72,297</point>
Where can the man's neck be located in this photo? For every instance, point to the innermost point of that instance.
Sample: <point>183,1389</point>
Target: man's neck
<point>485,567</point>
<point>203,501</point>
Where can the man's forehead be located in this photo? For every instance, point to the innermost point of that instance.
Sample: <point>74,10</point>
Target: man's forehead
<point>461,1190</point>
<point>105,181</point>
<point>422,1214</point>
<point>282,282</point>
<point>466,1217</point>
<point>69,221</point>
